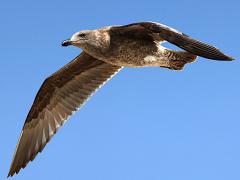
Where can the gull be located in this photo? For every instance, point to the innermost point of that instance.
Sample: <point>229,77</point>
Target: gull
<point>105,52</point>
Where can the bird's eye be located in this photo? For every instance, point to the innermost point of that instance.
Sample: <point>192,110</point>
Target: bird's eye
<point>82,35</point>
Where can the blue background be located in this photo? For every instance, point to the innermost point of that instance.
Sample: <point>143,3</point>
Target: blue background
<point>148,123</point>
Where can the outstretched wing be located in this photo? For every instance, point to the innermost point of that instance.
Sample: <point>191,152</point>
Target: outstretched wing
<point>59,96</point>
<point>160,32</point>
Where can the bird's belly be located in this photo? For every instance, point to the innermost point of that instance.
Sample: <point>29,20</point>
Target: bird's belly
<point>134,55</point>
<point>127,61</point>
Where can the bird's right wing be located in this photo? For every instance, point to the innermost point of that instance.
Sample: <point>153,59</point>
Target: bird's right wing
<point>59,96</point>
<point>160,32</point>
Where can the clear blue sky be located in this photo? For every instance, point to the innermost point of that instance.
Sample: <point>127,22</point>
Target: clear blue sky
<point>145,124</point>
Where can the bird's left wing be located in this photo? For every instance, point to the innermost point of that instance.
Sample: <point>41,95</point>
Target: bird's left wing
<point>159,32</point>
<point>59,96</point>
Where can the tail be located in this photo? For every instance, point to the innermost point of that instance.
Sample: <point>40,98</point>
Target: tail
<point>179,58</point>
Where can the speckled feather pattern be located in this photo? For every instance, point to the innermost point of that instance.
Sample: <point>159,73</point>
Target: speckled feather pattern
<point>105,52</point>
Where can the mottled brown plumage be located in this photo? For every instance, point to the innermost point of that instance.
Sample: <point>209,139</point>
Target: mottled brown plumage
<point>60,95</point>
<point>105,52</point>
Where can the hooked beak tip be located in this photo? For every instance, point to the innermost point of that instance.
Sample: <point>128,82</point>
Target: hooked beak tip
<point>66,43</point>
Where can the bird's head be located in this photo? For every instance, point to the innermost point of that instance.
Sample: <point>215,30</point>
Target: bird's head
<point>79,39</point>
<point>88,40</point>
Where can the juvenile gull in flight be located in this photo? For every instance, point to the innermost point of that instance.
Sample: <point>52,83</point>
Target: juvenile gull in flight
<point>105,52</point>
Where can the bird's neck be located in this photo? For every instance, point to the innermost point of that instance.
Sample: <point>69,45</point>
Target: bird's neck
<point>99,47</point>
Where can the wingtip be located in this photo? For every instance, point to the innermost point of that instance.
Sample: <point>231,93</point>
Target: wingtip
<point>231,58</point>
<point>228,58</point>
<point>11,173</point>
<point>222,57</point>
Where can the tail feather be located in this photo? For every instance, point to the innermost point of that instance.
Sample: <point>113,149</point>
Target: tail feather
<point>178,59</point>
<point>186,56</point>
